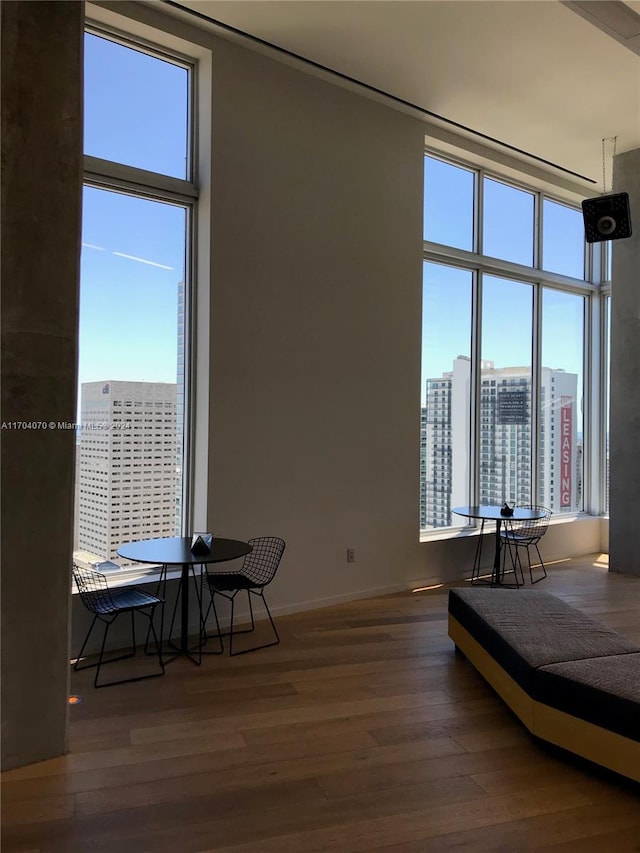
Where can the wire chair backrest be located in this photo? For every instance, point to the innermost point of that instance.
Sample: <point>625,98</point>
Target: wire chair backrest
<point>535,528</point>
<point>261,564</point>
<point>93,589</point>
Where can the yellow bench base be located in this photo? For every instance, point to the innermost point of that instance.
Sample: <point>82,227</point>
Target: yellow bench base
<point>610,750</point>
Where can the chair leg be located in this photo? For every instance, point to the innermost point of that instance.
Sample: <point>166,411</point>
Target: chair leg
<point>273,625</point>
<point>100,662</point>
<point>155,638</point>
<point>173,618</point>
<point>136,677</point>
<point>544,570</point>
<point>204,636</point>
<point>233,602</point>
<point>514,559</point>
<point>231,633</point>
<point>266,606</point>
<point>244,630</point>
<point>199,601</point>
<point>161,589</point>
<point>79,656</point>
<point>475,572</point>
<point>519,561</point>
<point>104,640</point>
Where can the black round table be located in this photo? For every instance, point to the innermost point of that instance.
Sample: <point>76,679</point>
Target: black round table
<point>176,551</point>
<point>493,513</point>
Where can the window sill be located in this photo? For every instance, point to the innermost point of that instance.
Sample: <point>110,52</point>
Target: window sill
<point>137,576</point>
<point>473,530</point>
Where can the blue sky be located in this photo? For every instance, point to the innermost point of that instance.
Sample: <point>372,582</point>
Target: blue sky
<point>136,108</point>
<point>133,249</point>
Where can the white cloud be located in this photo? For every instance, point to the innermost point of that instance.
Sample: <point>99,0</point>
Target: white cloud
<point>143,261</point>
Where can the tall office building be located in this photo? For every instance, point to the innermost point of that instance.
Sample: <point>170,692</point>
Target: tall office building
<point>505,447</point>
<point>180,382</point>
<point>127,464</point>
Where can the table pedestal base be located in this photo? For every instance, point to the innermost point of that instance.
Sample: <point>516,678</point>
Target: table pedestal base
<point>193,653</point>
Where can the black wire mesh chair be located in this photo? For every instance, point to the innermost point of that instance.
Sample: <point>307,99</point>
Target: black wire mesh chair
<point>258,570</point>
<point>106,605</point>
<point>527,534</point>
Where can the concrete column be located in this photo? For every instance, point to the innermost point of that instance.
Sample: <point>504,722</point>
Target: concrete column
<point>41,204</point>
<point>624,438</point>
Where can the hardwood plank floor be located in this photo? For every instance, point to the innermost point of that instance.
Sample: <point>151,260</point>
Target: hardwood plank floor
<point>361,731</point>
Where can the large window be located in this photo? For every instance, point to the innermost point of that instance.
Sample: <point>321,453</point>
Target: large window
<point>446,359</point>
<point>134,337</point>
<point>607,396</point>
<point>505,391</point>
<point>503,355</point>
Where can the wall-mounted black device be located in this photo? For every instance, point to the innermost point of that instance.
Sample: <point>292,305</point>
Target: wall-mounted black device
<point>606,217</point>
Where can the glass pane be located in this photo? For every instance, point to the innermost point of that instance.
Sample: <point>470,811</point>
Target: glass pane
<point>562,239</point>
<point>136,108</point>
<point>445,400</point>
<point>607,373</point>
<point>131,373</point>
<point>448,204</point>
<point>507,223</point>
<point>608,248</point>
<point>561,427</point>
<point>505,392</point>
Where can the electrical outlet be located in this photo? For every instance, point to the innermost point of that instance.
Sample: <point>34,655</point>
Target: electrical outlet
<point>351,555</point>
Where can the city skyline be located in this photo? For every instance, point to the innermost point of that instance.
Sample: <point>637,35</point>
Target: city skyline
<point>505,441</point>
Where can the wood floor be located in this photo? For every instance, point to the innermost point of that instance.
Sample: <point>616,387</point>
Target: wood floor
<point>361,731</point>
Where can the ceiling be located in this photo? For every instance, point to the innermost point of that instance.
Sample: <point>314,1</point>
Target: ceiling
<point>546,77</point>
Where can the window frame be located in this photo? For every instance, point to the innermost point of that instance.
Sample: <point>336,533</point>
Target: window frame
<point>139,183</point>
<point>593,333</point>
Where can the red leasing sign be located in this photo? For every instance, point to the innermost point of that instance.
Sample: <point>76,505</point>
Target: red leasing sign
<point>566,415</point>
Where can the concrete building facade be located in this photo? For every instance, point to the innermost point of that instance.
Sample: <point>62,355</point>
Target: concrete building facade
<point>505,441</point>
<point>127,464</point>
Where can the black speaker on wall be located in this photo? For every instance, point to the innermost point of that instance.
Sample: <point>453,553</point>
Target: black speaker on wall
<point>606,217</point>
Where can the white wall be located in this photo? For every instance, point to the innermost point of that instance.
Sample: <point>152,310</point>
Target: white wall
<point>315,326</point>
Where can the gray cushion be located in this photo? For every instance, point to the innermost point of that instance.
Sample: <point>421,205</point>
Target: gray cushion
<point>604,691</point>
<point>525,629</point>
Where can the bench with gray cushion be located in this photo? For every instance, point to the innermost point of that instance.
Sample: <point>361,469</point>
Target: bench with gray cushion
<point>571,680</point>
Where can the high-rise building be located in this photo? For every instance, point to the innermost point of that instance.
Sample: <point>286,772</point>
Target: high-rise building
<point>180,382</point>
<point>127,464</point>
<point>505,447</point>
